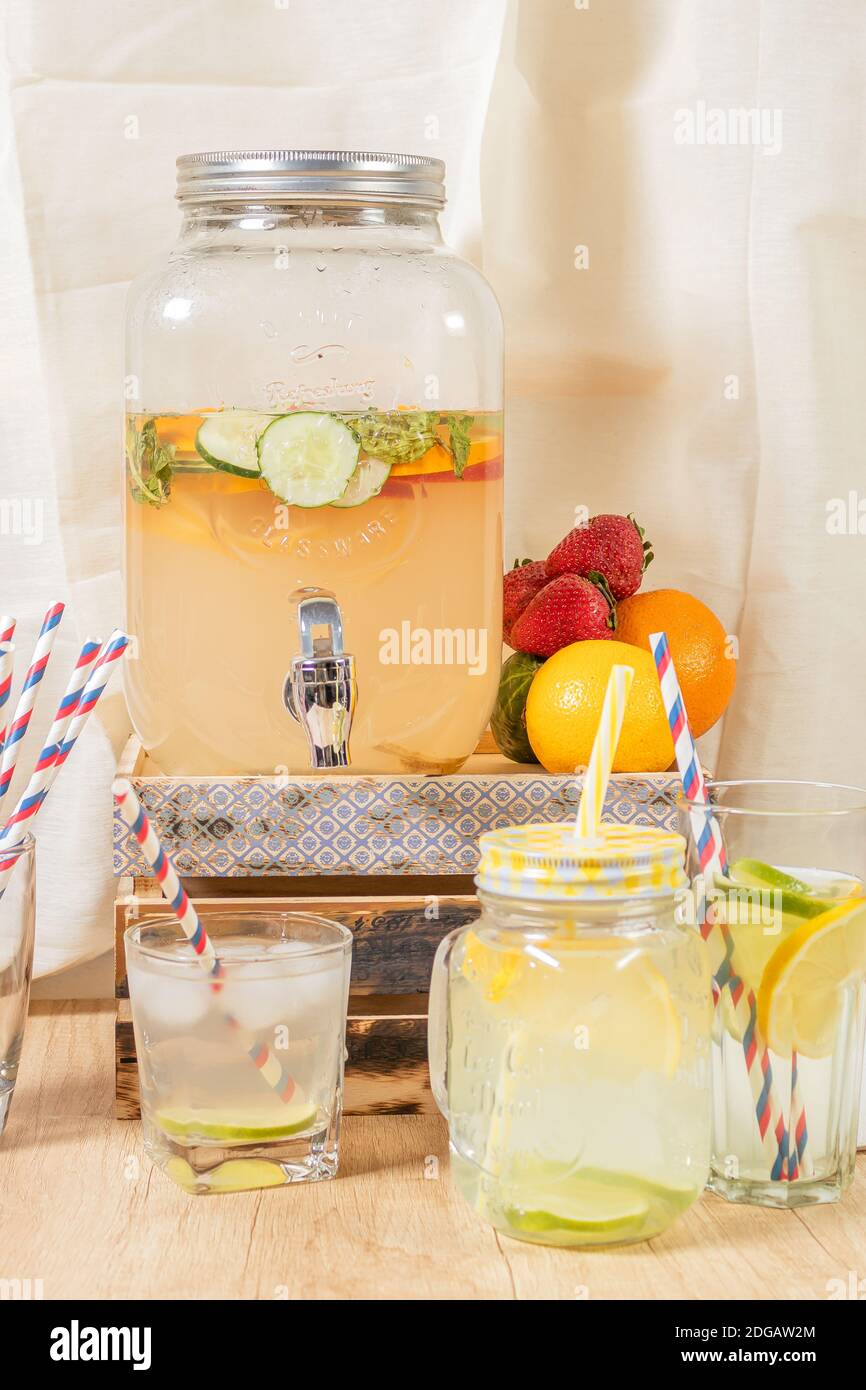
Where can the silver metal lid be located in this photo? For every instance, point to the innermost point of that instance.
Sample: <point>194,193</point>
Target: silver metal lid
<point>354,176</point>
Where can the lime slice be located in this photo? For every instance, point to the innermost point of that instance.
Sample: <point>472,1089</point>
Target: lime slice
<point>237,1124</point>
<point>755,874</point>
<point>307,459</point>
<point>588,1207</point>
<point>796,898</point>
<point>366,482</point>
<point>801,991</point>
<point>227,440</point>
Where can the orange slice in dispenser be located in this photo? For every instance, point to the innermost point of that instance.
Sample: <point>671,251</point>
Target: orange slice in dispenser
<point>487,449</point>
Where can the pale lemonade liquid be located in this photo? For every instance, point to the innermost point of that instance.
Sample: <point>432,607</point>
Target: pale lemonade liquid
<point>416,570</point>
<point>593,1143</point>
<point>212,1123</point>
<point>577,1068</point>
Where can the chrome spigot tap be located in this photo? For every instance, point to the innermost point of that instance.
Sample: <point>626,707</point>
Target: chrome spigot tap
<point>321,689</point>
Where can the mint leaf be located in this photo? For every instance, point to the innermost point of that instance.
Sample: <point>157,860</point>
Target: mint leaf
<point>459,440</point>
<point>150,464</point>
<point>399,436</point>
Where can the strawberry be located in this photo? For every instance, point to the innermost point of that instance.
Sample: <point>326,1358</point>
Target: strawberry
<point>519,586</point>
<point>612,546</point>
<point>568,609</point>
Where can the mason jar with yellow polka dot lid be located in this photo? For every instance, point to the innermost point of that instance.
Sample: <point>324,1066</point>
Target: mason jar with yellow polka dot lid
<point>570,1037</point>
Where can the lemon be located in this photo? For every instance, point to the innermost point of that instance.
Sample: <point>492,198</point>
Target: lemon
<point>181,1173</point>
<point>243,1174</point>
<point>761,915</point>
<point>564,706</point>
<point>618,999</point>
<point>629,1012</point>
<point>801,990</point>
<point>249,1124</point>
<point>491,969</point>
<point>235,1175</point>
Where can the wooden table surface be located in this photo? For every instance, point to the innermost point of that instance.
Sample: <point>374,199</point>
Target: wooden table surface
<point>84,1211</point>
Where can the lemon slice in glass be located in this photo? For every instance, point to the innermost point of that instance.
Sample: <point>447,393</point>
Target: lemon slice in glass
<point>235,1175</point>
<point>604,993</point>
<point>493,970</point>
<point>800,995</point>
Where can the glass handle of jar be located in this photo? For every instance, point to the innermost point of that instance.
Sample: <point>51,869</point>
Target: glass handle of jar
<point>437,1021</point>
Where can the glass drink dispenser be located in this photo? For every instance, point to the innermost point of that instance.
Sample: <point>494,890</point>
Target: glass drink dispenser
<point>313,473</point>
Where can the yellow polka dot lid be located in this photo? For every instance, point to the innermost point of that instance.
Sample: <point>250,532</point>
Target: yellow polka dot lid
<point>550,863</point>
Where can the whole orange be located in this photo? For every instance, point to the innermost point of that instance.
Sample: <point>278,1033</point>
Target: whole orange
<point>698,643</point>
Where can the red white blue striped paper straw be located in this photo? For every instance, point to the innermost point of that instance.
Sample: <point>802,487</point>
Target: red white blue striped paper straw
<point>7,629</point>
<point>173,891</point>
<point>7,656</point>
<point>27,699</point>
<point>43,773</point>
<point>99,678</point>
<point>708,838</point>
<point>800,1163</point>
<point>110,652</point>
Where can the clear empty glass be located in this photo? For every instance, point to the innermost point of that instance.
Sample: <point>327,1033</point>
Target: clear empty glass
<point>241,1085</point>
<point>17,931</point>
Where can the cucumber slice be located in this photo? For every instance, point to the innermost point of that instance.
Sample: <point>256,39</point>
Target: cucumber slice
<point>307,458</point>
<point>228,441</point>
<point>367,481</point>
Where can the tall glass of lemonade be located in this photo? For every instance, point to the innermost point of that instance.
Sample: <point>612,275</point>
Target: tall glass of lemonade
<point>786,928</point>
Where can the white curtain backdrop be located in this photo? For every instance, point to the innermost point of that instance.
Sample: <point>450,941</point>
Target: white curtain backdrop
<point>684,293</point>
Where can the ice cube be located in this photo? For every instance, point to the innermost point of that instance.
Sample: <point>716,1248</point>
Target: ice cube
<point>307,997</point>
<point>167,1003</point>
<point>257,1001</point>
<point>316,999</point>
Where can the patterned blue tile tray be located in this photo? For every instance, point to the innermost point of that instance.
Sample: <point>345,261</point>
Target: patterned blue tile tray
<point>350,825</point>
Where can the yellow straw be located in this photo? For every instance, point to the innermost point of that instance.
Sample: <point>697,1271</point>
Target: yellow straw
<point>603,750</point>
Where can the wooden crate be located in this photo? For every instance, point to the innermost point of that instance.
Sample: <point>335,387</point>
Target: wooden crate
<point>395,938</point>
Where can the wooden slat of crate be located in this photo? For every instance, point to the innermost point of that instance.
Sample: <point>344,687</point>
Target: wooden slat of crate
<point>395,938</point>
